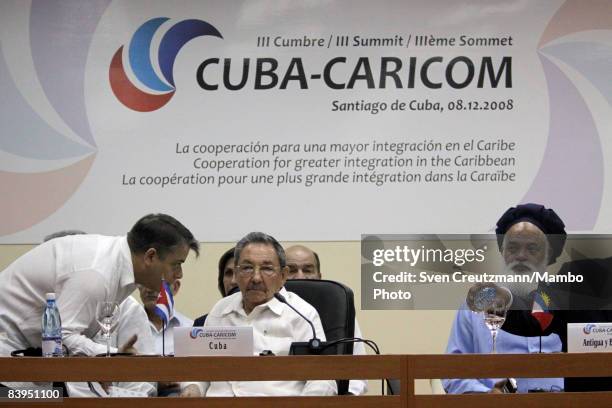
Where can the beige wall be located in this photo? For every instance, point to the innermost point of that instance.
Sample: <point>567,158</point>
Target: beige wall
<point>396,332</point>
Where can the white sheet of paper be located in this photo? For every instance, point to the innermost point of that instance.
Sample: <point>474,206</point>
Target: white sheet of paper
<point>114,391</point>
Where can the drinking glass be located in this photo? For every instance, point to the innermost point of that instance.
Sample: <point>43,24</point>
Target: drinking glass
<point>494,318</point>
<point>492,302</point>
<point>107,314</point>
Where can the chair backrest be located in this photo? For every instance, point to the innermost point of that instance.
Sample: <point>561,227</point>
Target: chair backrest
<point>393,386</point>
<point>335,304</point>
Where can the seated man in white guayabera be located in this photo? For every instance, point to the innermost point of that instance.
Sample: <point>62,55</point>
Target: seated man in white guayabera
<point>261,272</point>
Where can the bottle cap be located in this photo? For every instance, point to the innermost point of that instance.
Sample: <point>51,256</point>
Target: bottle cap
<point>50,296</point>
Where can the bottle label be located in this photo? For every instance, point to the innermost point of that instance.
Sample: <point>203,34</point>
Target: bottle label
<point>52,347</point>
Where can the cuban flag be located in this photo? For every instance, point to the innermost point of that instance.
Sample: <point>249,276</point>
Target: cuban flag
<point>164,305</point>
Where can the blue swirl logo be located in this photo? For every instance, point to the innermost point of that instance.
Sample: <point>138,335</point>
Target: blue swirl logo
<point>195,332</point>
<point>157,91</point>
<point>587,329</point>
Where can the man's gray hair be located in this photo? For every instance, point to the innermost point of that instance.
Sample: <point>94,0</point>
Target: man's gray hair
<point>260,238</point>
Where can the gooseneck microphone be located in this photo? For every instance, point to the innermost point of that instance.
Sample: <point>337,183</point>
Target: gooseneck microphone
<point>314,343</point>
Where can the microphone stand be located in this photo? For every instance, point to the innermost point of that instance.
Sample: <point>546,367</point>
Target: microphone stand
<point>315,343</point>
<point>316,346</point>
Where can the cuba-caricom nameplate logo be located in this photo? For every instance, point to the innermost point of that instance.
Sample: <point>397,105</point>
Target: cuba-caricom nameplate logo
<point>152,91</point>
<point>195,332</point>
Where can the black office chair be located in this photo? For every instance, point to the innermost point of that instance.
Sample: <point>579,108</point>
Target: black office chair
<point>393,387</point>
<point>335,304</point>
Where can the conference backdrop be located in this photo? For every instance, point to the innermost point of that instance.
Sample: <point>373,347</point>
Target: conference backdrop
<point>310,120</point>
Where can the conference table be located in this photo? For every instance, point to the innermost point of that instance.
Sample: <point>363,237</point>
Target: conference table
<point>405,368</point>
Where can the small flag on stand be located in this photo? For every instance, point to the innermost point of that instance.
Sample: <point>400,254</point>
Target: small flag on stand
<point>164,305</point>
<point>541,309</point>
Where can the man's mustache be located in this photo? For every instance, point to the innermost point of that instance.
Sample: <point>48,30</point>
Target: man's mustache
<point>523,266</point>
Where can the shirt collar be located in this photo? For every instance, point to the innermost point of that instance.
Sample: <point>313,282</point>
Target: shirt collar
<point>174,322</point>
<point>234,305</point>
<point>275,305</point>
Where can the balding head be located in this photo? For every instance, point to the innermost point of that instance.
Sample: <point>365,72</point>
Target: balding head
<point>303,263</point>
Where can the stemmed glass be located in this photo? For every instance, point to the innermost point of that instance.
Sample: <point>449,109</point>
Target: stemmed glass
<point>494,318</point>
<point>107,314</point>
<point>492,302</point>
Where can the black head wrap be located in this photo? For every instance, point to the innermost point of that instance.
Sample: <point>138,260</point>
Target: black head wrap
<point>544,218</point>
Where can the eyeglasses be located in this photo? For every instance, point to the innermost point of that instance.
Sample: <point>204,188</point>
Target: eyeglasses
<point>249,270</point>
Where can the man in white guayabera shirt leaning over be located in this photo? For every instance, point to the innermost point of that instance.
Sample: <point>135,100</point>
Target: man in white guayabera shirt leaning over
<point>83,270</point>
<point>261,272</point>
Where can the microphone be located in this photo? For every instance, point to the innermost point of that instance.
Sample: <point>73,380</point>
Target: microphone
<point>314,344</point>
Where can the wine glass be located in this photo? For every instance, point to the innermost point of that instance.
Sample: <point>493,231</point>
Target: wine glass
<point>107,314</point>
<point>492,302</point>
<point>494,318</point>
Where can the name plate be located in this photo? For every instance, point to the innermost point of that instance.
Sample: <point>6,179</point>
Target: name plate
<point>589,337</point>
<point>213,341</point>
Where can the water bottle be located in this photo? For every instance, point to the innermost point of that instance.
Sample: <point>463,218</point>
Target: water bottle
<point>51,329</point>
